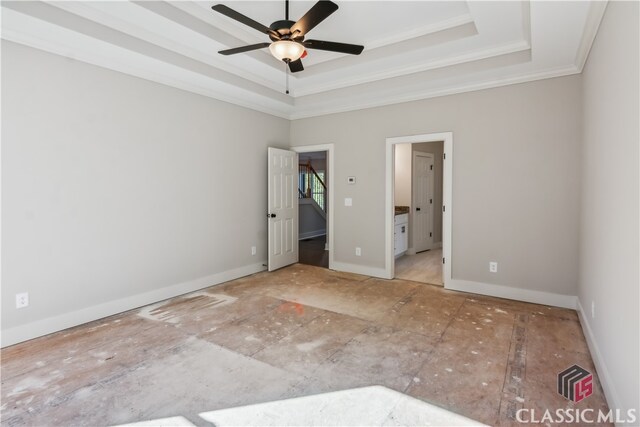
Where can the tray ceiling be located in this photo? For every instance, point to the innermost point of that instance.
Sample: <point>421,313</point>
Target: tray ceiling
<point>413,49</point>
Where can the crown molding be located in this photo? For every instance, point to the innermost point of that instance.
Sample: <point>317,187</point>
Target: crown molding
<point>427,94</point>
<point>32,32</point>
<point>594,18</point>
<point>514,47</point>
<point>199,48</point>
<point>183,79</point>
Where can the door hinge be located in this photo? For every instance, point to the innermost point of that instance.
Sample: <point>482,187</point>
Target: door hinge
<point>443,260</point>
<point>443,208</point>
<point>430,234</point>
<point>444,156</point>
<point>431,201</point>
<point>430,167</point>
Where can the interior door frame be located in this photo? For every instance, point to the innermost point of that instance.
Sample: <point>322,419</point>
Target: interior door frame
<point>329,148</point>
<point>431,156</point>
<point>447,196</point>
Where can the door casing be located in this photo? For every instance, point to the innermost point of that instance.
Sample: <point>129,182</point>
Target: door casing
<point>447,190</point>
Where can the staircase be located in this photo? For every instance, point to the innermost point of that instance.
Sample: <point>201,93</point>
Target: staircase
<point>312,202</point>
<point>311,185</point>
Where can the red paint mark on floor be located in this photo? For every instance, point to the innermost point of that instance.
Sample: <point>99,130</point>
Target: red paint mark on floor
<point>292,306</point>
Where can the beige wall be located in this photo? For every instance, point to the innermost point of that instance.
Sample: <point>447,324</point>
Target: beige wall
<point>311,222</point>
<point>402,178</point>
<point>609,228</point>
<point>117,190</point>
<point>513,202</point>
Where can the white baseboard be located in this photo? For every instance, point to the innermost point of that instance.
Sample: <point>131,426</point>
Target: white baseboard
<point>526,295</point>
<point>412,251</point>
<point>603,373</point>
<point>312,234</point>
<point>67,320</point>
<point>360,269</point>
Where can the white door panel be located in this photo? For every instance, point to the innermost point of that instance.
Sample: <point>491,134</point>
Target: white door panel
<point>422,201</point>
<point>282,208</point>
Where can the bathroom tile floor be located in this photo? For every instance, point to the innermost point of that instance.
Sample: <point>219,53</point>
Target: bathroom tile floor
<point>425,267</point>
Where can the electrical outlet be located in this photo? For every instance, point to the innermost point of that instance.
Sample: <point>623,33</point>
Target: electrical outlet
<point>22,300</point>
<point>493,267</point>
<point>253,250</point>
<point>593,309</point>
<point>348,201</point>
<point>358,252</point>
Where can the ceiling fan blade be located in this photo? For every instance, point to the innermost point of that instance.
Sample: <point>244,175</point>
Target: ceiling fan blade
<point>352,49</point>
<point>296,66</point>
<point>227,11</point>
<point>244,48</point>
<point>318,13</point>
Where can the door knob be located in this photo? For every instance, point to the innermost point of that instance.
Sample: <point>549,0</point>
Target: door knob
<point>271,215</point>
<point>417,209</point>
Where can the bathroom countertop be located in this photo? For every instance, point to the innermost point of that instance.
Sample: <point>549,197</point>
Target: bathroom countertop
<point>402,210</point>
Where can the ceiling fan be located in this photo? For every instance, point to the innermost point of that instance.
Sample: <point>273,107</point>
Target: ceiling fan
<point>287,37</point>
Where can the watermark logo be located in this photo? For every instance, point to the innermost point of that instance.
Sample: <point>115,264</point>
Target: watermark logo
<point>575,383</point>
<point>578,416</point>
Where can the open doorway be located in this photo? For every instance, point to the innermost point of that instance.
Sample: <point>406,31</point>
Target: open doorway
<point>418,203</point>
<point>313,198</point>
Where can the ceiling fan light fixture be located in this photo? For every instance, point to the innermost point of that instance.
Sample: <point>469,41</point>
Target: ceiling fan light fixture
<point>286,50</point>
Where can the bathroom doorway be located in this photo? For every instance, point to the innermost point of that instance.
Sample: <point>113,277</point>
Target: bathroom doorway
<point>418,201</point>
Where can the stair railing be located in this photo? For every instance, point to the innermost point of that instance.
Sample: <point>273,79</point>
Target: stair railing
<point>311,185</point>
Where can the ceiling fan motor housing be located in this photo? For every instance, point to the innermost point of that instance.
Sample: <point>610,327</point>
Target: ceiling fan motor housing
<point>283,28</point>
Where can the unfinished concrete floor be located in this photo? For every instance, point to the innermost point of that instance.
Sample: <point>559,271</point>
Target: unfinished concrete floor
<point>298,331</point>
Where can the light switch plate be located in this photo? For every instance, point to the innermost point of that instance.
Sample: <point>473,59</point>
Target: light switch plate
<point>348,201</point>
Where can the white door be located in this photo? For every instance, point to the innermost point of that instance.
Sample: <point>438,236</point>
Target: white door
<point>282,213</point>
<point>422,199</point>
